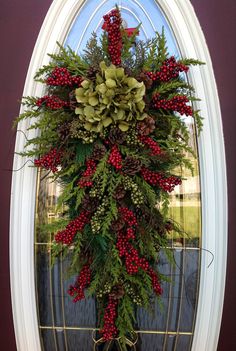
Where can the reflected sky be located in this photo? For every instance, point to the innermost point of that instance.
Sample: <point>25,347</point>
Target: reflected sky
<point>147,12</point>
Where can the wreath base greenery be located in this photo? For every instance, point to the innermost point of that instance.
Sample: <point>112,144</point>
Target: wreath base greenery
<point>111,133</point>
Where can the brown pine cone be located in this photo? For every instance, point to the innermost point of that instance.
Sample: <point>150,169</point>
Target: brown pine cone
<point>91,73</point>
<point>147,126</point>
<point>117,292</point>
<point>116,136</point>
<point>63,131</point>
<point>119,192</point>
<point>118,224</point>
<point>72,100</point>
<point>99,151</point>
<point>145,79</point>
<point>169,226</point>
<point>128,72</point>
<point>131,165</point>
<point>90,204</point>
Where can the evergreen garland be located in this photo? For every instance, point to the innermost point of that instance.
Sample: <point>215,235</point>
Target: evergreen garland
<point>111,132</point>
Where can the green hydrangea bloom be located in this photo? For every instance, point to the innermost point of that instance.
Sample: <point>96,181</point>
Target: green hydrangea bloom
<point>113,98</point>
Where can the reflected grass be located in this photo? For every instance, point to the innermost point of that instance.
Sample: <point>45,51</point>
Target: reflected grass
<point>190,219</point>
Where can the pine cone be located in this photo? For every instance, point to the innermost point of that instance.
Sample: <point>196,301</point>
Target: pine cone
<point>72,100</point>
<point>99,151</point>
<point>145,79</point>
<point>147,126</point>
<point>131,165</point>
<point>128,72</point>
<point>116,136</point>
<point>119,192</point>
<point>90,204</point>
<point>63,131</point>
<point>169,226</point>
<point>117,292</point>
<point>117,225</point>
<point>91,73</point>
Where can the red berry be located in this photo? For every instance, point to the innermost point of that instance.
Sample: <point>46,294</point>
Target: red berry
<point>109,330</point>
<point>178,103</point>
<point>156,150</point>
<point>155,282</point>
<point>112,23</point>
<point>170,69</point>
<point>82,282</point>
<point>115,158</point>
<point>85,180</point>
<point>67,235</point>
<point>60,76</point>
<point>52,101</point>
<point>50,161</point>
<point>158,179</point>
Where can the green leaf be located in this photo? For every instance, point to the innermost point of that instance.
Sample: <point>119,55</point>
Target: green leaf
<point>106,122</point>
<point>111,83</point>
<point>89,111</point>
<point>83,151</point>
<point>124,126</point>
<point>93,101</point>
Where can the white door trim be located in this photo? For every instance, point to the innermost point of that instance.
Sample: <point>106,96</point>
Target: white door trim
<point>190,38</point>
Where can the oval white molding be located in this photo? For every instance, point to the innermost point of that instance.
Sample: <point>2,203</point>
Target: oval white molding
<point>190,38</point>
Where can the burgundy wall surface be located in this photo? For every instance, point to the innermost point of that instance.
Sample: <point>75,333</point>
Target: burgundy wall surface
<point>217,19</point>
<point>20,22</point>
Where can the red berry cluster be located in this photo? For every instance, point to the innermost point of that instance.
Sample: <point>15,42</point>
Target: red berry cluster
<point>128,216</point>
<point>155,281</point>
<point>50,161</point>
<point>66,236</point>
<point>130,233</point>
<point>109,330</point>
<point>86,176</point>
<point>169,70</point>
<point>115,158</point>
<point>82,282</point>
<point>151,144</point>
<point>52,101</point>
<point>60,76</point>
<point>132,260</point>
<point>156,178</point>
<point>112,23</point>
<point>178,103</point>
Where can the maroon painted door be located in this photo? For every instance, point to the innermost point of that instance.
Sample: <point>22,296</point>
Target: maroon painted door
<point>20,22</point>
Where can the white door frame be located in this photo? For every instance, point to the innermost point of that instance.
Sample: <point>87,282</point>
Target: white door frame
<point>191,41</point>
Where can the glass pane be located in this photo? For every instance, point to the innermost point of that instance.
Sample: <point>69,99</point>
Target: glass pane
<point>178,303</point>
<point>151,342</point>
<point>83,313</point>
<point>79,340</point>
<point>43,285</point>
<point>68,326</point>
<point>185,199</point>
<point>183,342</point>
<point>49,340</point>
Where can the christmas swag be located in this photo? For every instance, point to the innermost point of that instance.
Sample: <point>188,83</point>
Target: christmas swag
<point>111,132</point>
